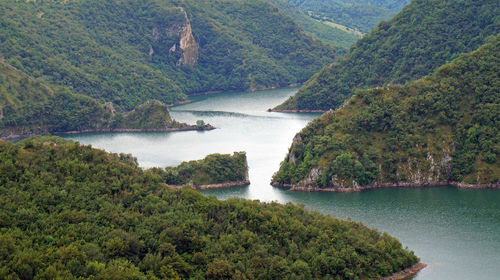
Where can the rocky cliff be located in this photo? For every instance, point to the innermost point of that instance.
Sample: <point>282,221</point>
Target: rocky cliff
<point>181,33</point>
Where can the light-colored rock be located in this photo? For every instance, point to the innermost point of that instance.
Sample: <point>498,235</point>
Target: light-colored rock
<point>108,106</point>
<point>188,45</point>
<point>312,177</point>
<point>187,42</point>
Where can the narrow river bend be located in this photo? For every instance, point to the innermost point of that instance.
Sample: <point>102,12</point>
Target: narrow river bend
<point>456,232</point>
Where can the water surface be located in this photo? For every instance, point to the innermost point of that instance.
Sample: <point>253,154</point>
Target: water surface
<point>456,232</point>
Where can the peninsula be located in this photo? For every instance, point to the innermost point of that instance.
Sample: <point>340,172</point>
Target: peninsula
<point>440,130</point>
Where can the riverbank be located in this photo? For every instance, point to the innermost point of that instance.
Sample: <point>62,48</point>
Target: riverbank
<point>237,90</point>
<point>296,111</point>
<point>216,186</point>
<point>187,128</point>
<point>460,185</point>
<point>104,130</point>
<point>223,185</point>
<point>406,273</point>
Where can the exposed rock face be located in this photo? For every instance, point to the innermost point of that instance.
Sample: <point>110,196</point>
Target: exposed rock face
<point>291,156</point>
<point>108,106</point>
<point>186,41</point>
<point>312,177</point>
<point>188,45</point>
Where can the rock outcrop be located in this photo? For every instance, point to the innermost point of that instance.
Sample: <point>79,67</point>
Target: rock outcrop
<point>185,41</point>
<point>188,45</point>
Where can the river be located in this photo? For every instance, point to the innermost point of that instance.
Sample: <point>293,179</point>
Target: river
<point>456,232</point>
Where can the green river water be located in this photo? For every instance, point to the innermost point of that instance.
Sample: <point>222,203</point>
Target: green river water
<point>456,232</point>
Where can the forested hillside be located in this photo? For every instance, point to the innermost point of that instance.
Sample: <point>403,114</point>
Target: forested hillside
<point>362,15</point>
<point>423,36</point>
<point>70,211</point>
<point>317,28</point>
<point>444,128</point>
<point>127,52</point>
<point>28,107</point>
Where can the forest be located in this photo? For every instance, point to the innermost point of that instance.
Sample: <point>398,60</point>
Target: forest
<point>423,36</point>
<point>213,169</point>
<point>28,107</point>
<point>317,28</point>
<point>362,15</point>
<point>128,52</point>
<point>69,211</point>
<point>444,127</point>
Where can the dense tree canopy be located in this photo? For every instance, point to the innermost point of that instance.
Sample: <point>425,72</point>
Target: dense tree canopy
<point>73,212</point>
<point>359,14</point>
<point>444,127</point>
<point>423,36</point>
<point>128,52</point>
<point>318,28</point>
<point>29,107</point>
<point>213,169</point>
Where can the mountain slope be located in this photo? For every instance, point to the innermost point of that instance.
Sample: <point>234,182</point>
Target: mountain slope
<point>28,107</point>
<point>70,211</point>
<point>128,52</point>
<point>423,36</point>
<point>442,129</point>
<point>362,15</point>
<point>317,28</point>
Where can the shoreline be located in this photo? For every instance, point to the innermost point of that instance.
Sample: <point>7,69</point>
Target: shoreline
<point>460,185</point>
<point>296,111</point>
<point>239,90</point>
<point>105,130</point>
<point>244,182</point>
<point>178,103</point>
<point>406,273</point>
<point>215,186</point>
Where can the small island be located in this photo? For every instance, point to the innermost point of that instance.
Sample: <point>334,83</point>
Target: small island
<point>212,172</point>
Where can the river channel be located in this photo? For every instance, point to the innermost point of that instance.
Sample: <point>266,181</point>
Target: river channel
<point>456,232</point>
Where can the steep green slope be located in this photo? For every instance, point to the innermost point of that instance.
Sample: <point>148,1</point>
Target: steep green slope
<point>316,28</point>
<point>129,51</point>
<point>28,107</point>
<point>69,211</point>
<point>362,15</point>
<point>423,36</point>
<point>440,129</point>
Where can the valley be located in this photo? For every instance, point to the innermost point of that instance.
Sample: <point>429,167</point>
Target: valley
<point>249,139</point>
